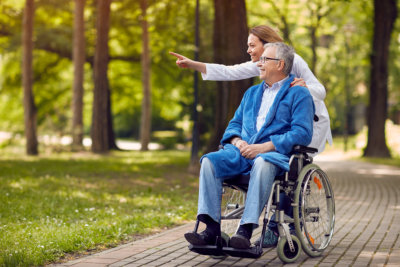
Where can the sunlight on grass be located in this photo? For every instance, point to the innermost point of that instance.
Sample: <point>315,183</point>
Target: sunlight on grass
<point>357,143</point>
<point>57,204</point>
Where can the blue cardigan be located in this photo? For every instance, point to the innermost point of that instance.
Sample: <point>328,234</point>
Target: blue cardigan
<point>289,122</point>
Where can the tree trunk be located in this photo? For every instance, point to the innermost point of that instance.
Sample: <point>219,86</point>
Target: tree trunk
<point>314,44</point>
<point>79,61</point>
<point>110,128</point>
<point>101,97</point>
<point>145,124</point>
<point>384,17</point>
<point>27,79</point>
<point>230,45</point>
<point>194,166</point>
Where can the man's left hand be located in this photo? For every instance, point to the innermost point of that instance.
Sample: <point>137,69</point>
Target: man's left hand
<point>298,81</point>
<point>251,151</point>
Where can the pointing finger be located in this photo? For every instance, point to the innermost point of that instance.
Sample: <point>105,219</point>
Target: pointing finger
<point>177,55</point>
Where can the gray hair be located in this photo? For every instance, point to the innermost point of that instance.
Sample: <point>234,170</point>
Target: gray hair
<point>284,52</point>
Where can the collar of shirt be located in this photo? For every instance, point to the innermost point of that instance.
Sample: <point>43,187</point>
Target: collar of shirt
<point>275,85</point>
<point>267,100</point>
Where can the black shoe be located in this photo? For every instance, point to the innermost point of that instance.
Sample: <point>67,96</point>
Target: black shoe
<point>241,239</point>
<point>201,239</point>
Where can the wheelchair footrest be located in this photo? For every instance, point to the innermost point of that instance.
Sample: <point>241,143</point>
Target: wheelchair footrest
<point>253,252</point>
<point>207,250</point>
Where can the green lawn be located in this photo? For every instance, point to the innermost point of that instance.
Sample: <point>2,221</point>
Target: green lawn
<point>357,143</point>
<point>54,206</point>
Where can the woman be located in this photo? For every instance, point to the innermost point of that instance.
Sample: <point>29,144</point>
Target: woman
<point>258,36</point>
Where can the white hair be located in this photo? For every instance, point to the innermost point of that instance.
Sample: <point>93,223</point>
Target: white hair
<point>284,52</point>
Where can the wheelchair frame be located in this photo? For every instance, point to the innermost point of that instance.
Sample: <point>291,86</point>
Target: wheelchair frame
<point>298,183</point>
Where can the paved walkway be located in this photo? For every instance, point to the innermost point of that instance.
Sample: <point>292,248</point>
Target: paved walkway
<point>367,230</point>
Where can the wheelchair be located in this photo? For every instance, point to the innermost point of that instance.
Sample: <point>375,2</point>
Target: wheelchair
<point>312,204</point>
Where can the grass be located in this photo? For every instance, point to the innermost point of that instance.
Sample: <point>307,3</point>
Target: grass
<point>54,206</point>
<point>356,144</point>
<point>394,161</point>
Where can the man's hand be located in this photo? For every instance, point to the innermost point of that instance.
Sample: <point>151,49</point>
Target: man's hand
<point>251,151</point>
<point>241,144</point>
<point>298,81</point>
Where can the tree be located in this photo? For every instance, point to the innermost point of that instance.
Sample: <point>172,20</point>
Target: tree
<point>79,61</point>
<point>318,10</point>
<point>385,14</point>
<point>101,98</point>
<point>281,18</point>
<point>145,124</point>
<point>230,45</point>
<point>27,79</point>
<point>194,156</point>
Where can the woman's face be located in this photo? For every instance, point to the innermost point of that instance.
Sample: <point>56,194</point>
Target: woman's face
<point>255,47</point>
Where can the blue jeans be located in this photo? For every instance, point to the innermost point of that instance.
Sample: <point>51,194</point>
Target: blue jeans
<point>262,177</point>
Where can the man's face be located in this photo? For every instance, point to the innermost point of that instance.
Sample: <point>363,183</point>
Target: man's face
<point>255,47</point>
<point>269,67</point>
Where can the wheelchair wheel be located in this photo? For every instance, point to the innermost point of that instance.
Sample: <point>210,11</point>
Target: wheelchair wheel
<point>314,210</point>
<point>284,252</point>
<point>232,207</point>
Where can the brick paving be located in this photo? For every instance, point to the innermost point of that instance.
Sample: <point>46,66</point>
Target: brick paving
<point>367,228</point>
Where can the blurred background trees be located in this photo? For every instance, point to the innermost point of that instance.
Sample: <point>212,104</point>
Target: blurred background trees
<point>95,64</point>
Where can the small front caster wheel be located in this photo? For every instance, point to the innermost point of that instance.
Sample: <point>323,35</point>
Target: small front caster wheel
<point>284,252</point>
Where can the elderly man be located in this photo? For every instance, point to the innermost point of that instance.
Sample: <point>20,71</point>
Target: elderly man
<point>271,119</point>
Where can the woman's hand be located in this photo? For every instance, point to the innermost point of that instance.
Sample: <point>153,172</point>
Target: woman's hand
<point>182,62</point>
<point>298,81</point>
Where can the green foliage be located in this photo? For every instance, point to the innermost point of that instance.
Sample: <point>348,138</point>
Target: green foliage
<point>343,34</point>
<point>66,203</point>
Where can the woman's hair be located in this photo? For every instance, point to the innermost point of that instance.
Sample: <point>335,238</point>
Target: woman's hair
<point>266,34</point>
<point>284,52</point>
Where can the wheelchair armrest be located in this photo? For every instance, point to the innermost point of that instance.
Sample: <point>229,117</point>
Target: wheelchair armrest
<point>304,149</point>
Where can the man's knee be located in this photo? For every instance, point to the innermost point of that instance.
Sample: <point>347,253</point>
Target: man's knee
<point>206,163</point>
<point>264,170</point>
<point>206,166</point>
<point>261,164</point>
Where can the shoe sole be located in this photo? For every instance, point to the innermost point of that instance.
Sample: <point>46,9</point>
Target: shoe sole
<point>195,239</point>
<point>239,242</point>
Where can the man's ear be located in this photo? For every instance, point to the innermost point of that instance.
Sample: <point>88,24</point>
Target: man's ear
<point>281,65</point>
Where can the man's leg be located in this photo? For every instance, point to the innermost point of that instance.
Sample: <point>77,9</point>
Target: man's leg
<point>262,177</point>
<point>209,206</point>
<point>210,191</point>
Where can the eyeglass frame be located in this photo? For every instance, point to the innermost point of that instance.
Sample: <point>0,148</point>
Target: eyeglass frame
<point>264,59</point>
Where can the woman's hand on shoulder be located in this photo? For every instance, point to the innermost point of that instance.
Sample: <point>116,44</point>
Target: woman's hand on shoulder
<point>298,82</point>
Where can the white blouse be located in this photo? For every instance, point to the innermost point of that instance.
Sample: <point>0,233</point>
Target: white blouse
<point>322,129</point>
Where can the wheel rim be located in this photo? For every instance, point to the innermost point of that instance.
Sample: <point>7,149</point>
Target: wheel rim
<point>317,210</point>
<point>289,254</point>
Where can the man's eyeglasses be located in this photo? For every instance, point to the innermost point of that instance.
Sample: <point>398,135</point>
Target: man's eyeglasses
<point>265,59</point>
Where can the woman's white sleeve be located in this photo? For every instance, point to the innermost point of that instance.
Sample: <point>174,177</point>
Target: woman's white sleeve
<point>218,72</point>
<point>301,70</point>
